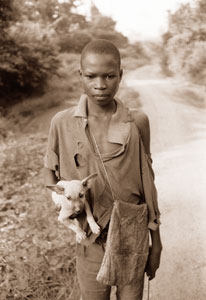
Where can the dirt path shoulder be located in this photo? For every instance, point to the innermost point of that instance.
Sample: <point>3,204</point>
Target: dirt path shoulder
<point>178,146</point>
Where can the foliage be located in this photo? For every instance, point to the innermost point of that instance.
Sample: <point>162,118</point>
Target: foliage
<point>37,254</point>
<point>29,45</point>
<point>7,13</point>
<point>74,42</point>
<point>99,23</point>
<point>24,68</point>
<point>185,42</point>
<point>25,63</point>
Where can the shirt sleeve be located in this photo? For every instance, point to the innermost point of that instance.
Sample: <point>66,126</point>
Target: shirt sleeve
<point>51,158</point>
<point>150,192</point>
<point>148,176</point>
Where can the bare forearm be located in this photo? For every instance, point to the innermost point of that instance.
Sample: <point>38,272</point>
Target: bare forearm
<point>155,250</point>
<point>156,240</point>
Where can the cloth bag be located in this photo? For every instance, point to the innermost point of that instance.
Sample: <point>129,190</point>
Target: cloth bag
<point>127,246</point>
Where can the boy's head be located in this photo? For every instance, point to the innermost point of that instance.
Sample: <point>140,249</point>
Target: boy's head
<point>100,71</point>
<point>101,46</point>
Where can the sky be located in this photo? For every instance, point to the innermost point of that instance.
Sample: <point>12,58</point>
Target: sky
<point>137,19</point>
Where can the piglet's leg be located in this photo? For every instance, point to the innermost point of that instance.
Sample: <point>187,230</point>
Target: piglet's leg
<point>90,219</point>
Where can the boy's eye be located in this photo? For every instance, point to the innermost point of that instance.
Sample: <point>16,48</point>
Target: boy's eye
<point>89,76</point>
<point>81,195</point>
<point>110,76</point>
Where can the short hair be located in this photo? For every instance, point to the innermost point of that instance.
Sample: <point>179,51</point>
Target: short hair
<point>101,46</point>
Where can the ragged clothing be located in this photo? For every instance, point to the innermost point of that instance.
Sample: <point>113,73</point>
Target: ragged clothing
<point>71,155</point>
<point>127,245</point>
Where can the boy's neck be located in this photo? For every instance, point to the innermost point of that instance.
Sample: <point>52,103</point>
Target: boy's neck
<point>97,110</point>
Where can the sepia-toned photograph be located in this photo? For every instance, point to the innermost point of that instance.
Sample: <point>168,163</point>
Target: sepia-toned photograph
<point>102,150</point>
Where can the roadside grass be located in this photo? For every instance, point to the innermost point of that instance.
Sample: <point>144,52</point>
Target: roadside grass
<point>194,96</point>
<point>37,254</point>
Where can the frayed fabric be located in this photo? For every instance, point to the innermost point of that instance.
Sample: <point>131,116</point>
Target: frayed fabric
<point>127,245</point>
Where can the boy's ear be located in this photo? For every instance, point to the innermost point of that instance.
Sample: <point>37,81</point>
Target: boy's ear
<point>87,182</point>
<point>59,189</point>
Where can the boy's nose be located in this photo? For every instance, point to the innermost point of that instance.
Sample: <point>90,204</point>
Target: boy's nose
<point>100,84</point>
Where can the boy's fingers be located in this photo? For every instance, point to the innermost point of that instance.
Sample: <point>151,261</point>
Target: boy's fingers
<point>152,277</point>
<point>150,274</point>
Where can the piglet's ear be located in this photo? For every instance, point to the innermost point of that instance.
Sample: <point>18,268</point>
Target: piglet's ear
<point>88,181</point>
<point>59,189</point>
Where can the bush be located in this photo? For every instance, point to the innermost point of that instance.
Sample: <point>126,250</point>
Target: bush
<point>184,45</point>
<point>28,59</point>
<point>24,69</point>
<point>116,37</point>
<point>74,42</point>
<point>195,66</point>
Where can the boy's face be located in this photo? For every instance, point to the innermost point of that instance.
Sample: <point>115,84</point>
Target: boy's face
<point>100,75</point>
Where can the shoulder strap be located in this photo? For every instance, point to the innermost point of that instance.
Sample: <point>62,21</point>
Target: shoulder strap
<point>103,165</point>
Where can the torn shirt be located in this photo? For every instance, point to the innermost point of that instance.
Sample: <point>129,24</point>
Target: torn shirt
<point>71,155</point>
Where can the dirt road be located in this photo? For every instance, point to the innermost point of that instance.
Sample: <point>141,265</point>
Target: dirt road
<point>178,145</point>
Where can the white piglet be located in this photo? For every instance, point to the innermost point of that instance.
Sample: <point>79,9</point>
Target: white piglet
<point>70,197</point>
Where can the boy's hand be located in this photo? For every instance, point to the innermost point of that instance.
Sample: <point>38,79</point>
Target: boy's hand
<point>153,262</point>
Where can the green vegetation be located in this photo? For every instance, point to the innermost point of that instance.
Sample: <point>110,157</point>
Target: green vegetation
<point>184,45</point>
<point>37,254</point>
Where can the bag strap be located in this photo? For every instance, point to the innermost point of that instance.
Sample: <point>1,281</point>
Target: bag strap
<point>102,162</point>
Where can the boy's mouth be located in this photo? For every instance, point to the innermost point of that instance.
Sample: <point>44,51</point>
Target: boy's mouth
<point>101,96</point>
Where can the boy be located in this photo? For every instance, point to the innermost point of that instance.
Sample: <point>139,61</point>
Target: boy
<point>100,126</point>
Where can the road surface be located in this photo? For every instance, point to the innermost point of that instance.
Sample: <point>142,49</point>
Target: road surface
<point>179,152</point>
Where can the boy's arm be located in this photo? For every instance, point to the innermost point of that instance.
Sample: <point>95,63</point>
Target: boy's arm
<point>155,250</point>
<point>156,247</point>
<point>142,122</point>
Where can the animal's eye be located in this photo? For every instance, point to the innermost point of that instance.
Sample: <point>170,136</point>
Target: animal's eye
<point>81,195</point>
<point>69,197</point>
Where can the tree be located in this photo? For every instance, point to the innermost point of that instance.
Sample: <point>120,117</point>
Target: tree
<point>98,24</point>
<point>25,66</point>
<point>185,42</point>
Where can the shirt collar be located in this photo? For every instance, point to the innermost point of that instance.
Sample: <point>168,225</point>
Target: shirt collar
<point>121,115</point>
<point>119,128</point>
<point>81,109</point>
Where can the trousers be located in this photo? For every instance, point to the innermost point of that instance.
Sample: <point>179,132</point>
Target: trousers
<point>88,263</point>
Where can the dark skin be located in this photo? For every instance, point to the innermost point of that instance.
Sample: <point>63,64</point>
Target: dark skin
<point>100,75</point>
